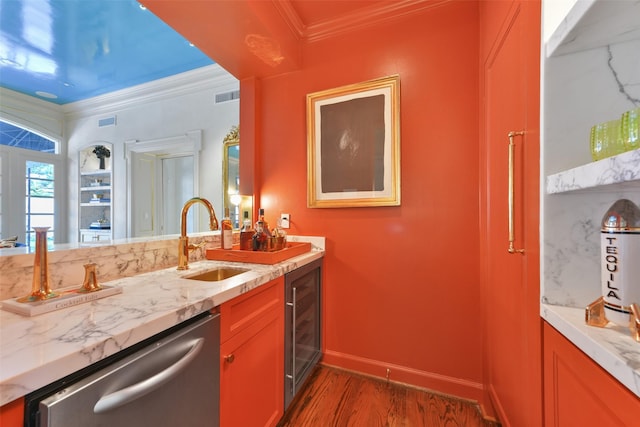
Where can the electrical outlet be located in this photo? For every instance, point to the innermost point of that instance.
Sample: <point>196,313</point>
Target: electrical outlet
<point>284,220</point>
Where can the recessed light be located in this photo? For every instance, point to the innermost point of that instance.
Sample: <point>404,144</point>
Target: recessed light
<point>142,7</point>
<point>46,94</point>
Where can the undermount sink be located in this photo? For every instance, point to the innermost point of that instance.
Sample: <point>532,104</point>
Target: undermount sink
<point>217,274</point>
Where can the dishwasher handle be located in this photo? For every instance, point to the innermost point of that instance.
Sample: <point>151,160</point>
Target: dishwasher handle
<point>135,391</point>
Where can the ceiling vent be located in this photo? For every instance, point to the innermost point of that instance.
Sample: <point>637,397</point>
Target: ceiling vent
<point>227,96</point>
<point>107,121</point>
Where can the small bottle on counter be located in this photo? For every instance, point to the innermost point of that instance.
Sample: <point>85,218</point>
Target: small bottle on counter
<point>260,236</point>
<point>265,224</point>
<point>246,233</point>
<point>278,238</point>
<point>226,231</point>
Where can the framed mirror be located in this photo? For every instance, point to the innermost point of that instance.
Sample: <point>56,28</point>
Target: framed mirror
<point>231,176</point>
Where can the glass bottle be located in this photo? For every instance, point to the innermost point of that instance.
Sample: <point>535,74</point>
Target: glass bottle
<point>226,231</point>
<point>265,224</point>
<point>260,236</point>
<point>630,129</point>
<point>246,233</point>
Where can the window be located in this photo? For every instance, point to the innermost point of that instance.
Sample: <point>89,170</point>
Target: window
<point>39,206</point>
<point>29,194</point>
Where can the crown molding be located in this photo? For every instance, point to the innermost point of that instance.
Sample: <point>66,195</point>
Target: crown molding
<point>209,77</point>
<point>290,17</point>
<point>366,17</point>
<point>39,116</point>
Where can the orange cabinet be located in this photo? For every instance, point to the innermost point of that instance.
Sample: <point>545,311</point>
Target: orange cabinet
<point>578,392</point>
<point>509,168</point>
<point>252,357</point>
<point>12,414</point>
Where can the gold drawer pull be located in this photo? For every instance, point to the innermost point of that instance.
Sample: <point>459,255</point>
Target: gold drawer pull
<point>229,358</point>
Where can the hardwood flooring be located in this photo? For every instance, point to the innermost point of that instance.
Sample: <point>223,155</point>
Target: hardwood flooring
<point>337,398</point>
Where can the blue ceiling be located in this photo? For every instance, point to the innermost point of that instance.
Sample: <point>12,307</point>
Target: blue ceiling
<point>78,49</point>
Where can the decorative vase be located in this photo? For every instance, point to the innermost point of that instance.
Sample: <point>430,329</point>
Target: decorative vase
<point>101,162</point>
<point>41,289</point>
<point>620,247</point>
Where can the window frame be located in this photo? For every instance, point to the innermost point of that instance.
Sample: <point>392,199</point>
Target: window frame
<point>13,219</point>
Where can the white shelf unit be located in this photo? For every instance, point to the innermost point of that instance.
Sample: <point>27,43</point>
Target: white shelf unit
<point>91,211</point>
<point>590,75</point>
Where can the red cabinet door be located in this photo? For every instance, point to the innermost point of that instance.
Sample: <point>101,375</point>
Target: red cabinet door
<point>12,414</point>
<point>252,358</point>
<point>510,304</point>
<point>578,392</point>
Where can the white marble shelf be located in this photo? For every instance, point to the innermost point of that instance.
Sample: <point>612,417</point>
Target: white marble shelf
<point>96,172</point>
<point>611,347</point>
<point>595,23</point>
<point>623,169</point>
<point>104,187</point>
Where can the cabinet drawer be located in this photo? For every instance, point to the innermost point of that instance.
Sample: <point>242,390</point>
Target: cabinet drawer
<point>245,310</point>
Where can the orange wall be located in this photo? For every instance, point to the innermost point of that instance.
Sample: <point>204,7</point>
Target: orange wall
<point>402,283</point>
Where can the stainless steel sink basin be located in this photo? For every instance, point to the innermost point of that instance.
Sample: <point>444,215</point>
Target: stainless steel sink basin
<point>217,274</point>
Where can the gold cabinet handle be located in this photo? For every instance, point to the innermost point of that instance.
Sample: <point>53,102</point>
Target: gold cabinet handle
<point>229,358</point>
<point>512,238</point>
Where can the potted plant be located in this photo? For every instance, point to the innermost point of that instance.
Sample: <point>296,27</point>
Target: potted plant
<point>101,153</point>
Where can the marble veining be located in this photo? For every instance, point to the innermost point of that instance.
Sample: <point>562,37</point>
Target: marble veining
<point>42,349</point>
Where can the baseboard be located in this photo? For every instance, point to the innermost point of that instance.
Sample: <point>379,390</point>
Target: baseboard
<point>435,383</point>
<point>495,403</point>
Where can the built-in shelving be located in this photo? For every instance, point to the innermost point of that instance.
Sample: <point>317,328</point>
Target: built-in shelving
<point>595,23</point>
<point>95,198</point>
<point>590,75</point>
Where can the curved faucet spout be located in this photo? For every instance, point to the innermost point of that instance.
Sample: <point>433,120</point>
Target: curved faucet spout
<point>184,247</point>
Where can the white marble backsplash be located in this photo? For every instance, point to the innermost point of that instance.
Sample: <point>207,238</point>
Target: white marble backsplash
<point>115,260</point>
<point>571,251</point>
<point>600,84</point>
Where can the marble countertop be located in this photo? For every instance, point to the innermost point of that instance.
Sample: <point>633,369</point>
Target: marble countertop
<point>612,347</point>
<point>39,350</point>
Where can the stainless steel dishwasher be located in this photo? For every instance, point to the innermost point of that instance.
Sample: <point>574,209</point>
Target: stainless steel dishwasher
<point>169,380</point>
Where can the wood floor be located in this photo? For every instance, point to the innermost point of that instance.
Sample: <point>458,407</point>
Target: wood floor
<point>338,398</point>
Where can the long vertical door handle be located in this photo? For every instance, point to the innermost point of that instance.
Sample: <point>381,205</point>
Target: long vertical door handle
<point>512,238</point>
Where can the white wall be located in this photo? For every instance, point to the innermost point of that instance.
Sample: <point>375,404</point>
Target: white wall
<point>167,108</point>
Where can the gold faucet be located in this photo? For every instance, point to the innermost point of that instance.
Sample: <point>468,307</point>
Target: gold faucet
<point>184,247</point>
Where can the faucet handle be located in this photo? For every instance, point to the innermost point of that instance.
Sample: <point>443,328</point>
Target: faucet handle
<point>90,283</point>
<point>199,245</point>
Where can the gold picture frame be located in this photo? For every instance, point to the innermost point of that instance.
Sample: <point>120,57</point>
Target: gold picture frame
<point>353,145</point>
